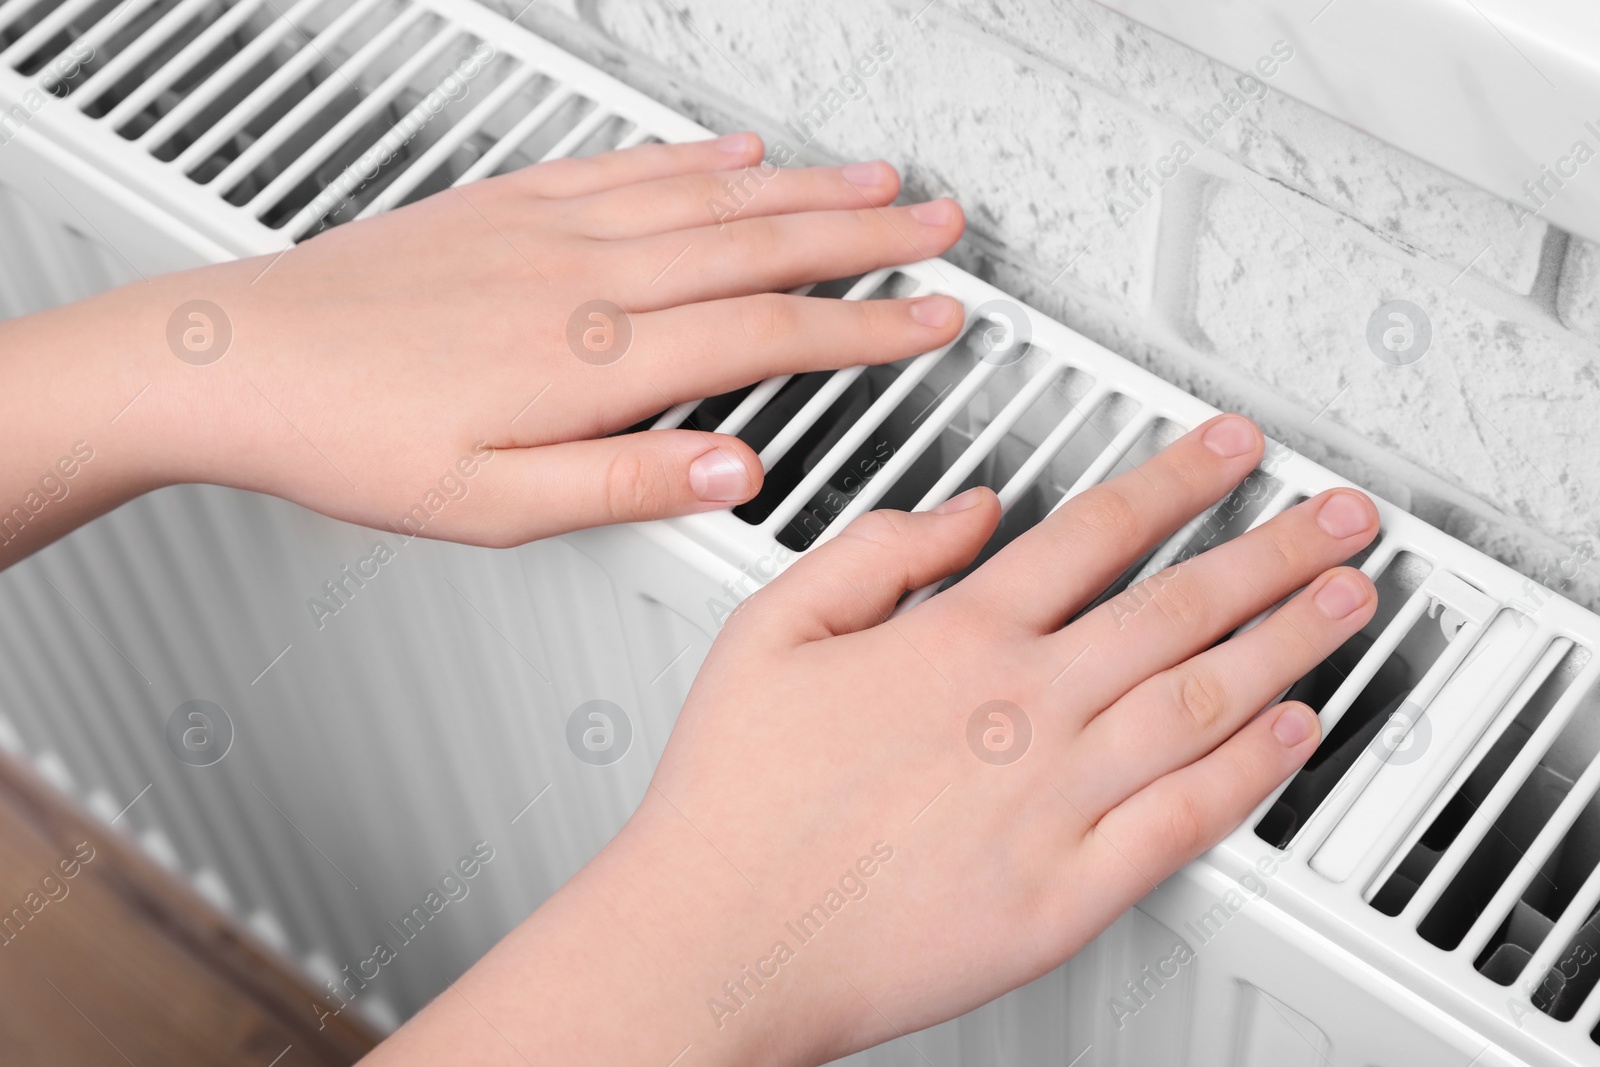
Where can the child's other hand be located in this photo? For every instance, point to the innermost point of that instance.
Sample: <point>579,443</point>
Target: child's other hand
<point>980,787</point>
<point>446,367</point>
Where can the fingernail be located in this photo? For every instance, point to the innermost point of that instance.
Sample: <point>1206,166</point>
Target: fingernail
<point>960,502</point>
<point>934,212</point>
<point>1343,515</point>
<point>736,143</point>
<point>1231,437</point>
<point>720,477</point>
<point>1340,595</point>
<point>935,311</point>
<point>1293,726</point>
<point>873,173</point>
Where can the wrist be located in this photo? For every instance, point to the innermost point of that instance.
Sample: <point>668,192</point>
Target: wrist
<point>85,417</point>
<point>623,964</point>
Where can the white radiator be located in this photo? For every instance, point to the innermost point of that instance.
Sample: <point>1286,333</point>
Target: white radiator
<point>1426,891</point>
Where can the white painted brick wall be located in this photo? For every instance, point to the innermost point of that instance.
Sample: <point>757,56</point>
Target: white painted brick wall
<point>1248,279</point>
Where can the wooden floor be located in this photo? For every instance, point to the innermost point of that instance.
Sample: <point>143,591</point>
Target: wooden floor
<point>120,964</point>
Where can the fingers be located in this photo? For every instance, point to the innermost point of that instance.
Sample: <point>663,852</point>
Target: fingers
<point>630,478</point>
<point>1171,616</point>
<point>1180,815</point>
<point>854,581</point>
<point>717,198</point>
<point>756,255</point>
<point>1179,715</point>
<point>565,178</point>
<point>711,348</point>
<point>1046,575</point>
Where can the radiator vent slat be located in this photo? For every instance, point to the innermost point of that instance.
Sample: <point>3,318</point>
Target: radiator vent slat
<point>156,79</point>
<point>1486,814</point>
<point>849,439</point>
<point>518,134</point>
<point>27,47</point>
<point>370,103</point>
<point>210,91</point>
<point>338,83</point>
<point>426,164</point>
<point>141,50</point>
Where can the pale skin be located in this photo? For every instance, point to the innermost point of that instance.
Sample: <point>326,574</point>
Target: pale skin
<point>822,738</point>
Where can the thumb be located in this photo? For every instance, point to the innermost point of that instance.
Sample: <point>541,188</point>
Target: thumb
<point>854,581</point>
<point>633,477</point>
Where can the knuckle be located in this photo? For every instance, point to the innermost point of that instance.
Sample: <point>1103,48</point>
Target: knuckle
<point>1189,473</point>
<point>750,239</point>
<point>1283,551</point>
<point>635,486</point>
<point>1104,513</point>
<point>884,529</point>
<point>1183,830</point>
<point>1181,606</point>
<point>1202,698</point>
<point>873,325</point>
<point>766,318</point>
<point>553,173</point>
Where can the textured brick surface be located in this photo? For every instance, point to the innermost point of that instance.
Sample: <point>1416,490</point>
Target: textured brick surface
<point>1578,299</point>
<point>1498,408</point>
<point>1032,158</point>
<point>1411,204</point>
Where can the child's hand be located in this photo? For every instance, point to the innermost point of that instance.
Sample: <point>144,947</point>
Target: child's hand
<point>981,790</point>
<point>446,367</point>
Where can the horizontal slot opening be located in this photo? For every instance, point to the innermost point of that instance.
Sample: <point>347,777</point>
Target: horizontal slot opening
<point>605,137</point>
<point>851,476</point>
<point>490,131</point>
<point>198,73</point>
<point>1569,981</point>
<point>1061,473</point>
<point>382,148</point>
<point>1367,714</point>
<point>224,98</point>
<point>113,94</point>
<point>70,73</point>
<point>350,88</point>
<point>31,16</point>
<point>547,134</point>
<point>55,48</point>
<point>1514,830</point>
<point>1453,818</point>
<point>906,419</point>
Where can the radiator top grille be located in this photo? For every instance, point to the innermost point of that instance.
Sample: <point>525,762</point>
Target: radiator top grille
<point>1451,815</point>
<point>308,115</point>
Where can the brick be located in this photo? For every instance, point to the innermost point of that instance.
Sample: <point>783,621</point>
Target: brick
<point>1500,410</point>
<point>1032,159</point>
<point>1578,297</point>
<point>1411,204</point>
